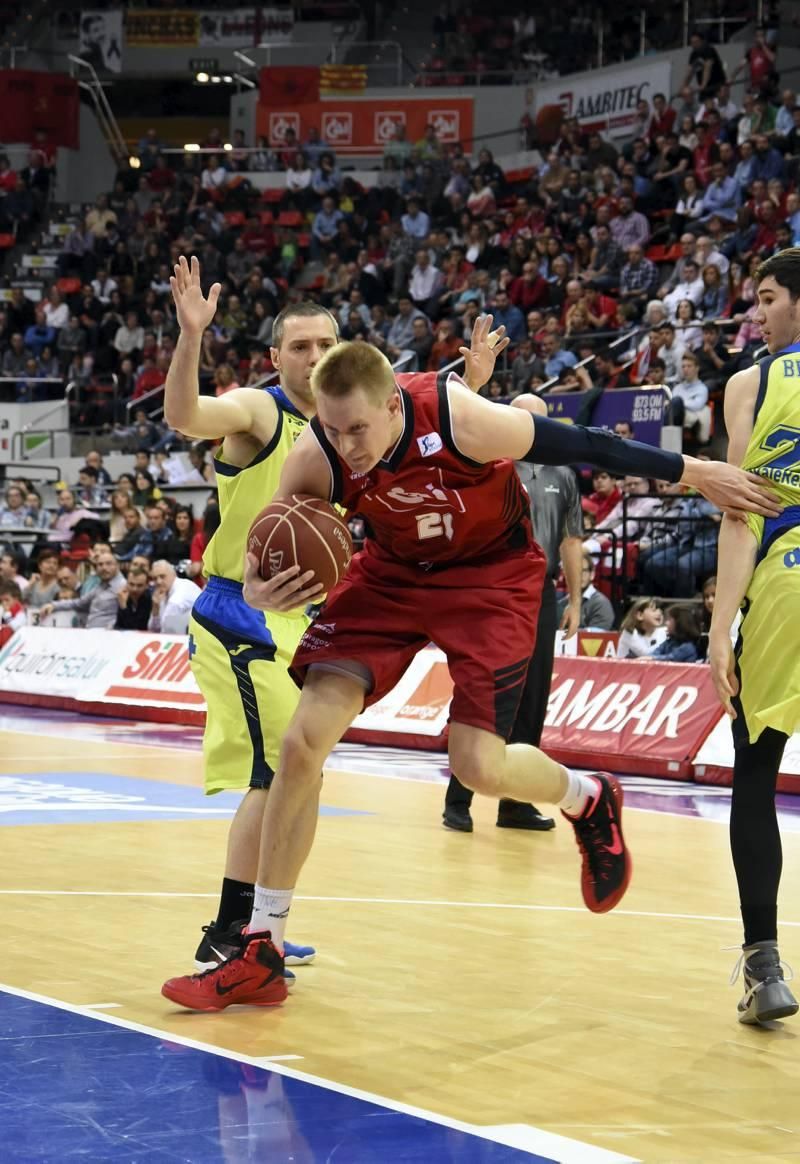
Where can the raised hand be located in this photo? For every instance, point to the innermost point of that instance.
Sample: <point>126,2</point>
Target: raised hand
<point>485,346</point>
<point>195,312</point>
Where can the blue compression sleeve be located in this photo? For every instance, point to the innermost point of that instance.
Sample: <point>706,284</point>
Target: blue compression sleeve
<point>556,443</point>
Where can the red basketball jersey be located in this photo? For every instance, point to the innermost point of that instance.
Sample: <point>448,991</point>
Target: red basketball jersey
<point>426,502</point>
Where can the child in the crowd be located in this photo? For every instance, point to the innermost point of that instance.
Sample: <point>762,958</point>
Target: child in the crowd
<point>642,630</point>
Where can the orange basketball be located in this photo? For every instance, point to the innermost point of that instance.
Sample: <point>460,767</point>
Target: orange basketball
<point>301,531</point>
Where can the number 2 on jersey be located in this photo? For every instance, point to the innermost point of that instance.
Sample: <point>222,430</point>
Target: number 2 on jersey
<point>784,441</point>
<point>434,525</point>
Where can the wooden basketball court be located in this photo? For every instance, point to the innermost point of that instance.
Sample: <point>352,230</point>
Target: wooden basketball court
<point>456,973</point>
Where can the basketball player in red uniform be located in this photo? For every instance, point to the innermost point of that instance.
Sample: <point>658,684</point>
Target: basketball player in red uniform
<point>451,559</point>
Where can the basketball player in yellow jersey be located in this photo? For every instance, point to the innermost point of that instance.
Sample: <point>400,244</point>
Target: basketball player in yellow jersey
<point>759,571</point>
<point>240,656</point>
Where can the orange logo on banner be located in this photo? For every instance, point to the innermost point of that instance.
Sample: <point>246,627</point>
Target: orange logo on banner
<point>431,696</point>
<point>598,644</point>
<point>337,128</point>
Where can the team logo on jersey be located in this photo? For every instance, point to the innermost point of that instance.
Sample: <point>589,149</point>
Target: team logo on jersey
<point>429,444</point>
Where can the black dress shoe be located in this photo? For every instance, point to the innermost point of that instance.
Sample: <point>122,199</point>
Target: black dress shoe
<point>512,815</point>
<point>457,816</point>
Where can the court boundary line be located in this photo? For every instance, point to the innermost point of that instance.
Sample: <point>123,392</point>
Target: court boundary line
<point>528,907</point>
<point>523,1137</point>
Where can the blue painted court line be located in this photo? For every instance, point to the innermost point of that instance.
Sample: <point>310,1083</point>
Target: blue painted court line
<point>88,797</point>
<point>77,1088</point>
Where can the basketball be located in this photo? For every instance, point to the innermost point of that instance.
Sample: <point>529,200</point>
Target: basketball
<point>301,531</point>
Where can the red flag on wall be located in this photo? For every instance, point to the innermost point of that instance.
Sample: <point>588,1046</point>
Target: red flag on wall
<point>289,85</point>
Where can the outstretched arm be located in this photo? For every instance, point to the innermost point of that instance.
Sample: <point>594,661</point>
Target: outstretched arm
<point>487,433</point>
<point>244,410</point>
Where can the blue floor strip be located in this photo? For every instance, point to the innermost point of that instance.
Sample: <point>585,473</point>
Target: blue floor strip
<point>77,1090</point>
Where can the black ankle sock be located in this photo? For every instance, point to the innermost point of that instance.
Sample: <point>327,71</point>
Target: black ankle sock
<point>235,903</point>
<point>760,923</point>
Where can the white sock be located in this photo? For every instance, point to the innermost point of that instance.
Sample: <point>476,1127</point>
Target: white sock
<point>270,911</point>
<point>580,790</point>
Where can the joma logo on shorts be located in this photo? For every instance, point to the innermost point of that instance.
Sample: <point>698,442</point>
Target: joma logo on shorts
<point>792,558</point>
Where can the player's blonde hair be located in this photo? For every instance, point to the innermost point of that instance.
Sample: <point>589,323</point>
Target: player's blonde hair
<point>349,366</point>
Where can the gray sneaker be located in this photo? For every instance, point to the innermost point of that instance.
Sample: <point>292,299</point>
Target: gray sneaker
<point>766,994</point>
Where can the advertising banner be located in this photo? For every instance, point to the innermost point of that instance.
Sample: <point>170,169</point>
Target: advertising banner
<point>714,761</point>
<point>366,126</point>
<point>642,407</point>
<point>100,40</point>
<point>606,101</point>
<point>121,668</point>
<point>644,717</point>
<point>145,27</point>
<point>647,718</point>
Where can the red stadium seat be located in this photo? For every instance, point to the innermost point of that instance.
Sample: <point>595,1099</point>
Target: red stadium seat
<point>234,218</point>
<point>272,196</point>
<point>6,241</point>
<point>290,218</point>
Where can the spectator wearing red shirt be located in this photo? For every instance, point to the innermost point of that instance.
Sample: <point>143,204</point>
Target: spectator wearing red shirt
<point>604,497</point>
<point>705,153</point>
<point>161,177</point>
<point>759,59</point>
<point>529,290</point>
<point>766,237</point>
<point>446,348</point>
<point>152,375</point>
<point>257,238</point>
<point>8,177</point>
<point>663,118</point>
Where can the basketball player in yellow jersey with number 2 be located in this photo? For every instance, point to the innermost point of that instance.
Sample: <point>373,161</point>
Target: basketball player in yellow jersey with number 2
<point>240,656</point>
<point>759,571</point>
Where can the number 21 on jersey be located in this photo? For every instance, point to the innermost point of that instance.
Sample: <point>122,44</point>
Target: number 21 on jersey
<point>435,525</point>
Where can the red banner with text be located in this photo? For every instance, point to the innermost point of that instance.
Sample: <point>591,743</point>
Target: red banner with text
<point>353,126</point>
<point>644,717</point>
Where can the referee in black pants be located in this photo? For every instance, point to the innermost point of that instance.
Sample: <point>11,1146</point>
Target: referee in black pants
<point>558,528</point>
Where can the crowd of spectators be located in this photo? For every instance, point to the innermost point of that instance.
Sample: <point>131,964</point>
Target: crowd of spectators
<point>614,263</point>
<point>118,554</point>
<point>474,46</point>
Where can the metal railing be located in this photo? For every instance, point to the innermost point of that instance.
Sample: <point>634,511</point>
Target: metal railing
<point>105,114</point>
<point>619,562</point>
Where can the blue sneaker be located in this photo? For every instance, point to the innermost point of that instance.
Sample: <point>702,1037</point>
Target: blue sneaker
<point>298,955</point>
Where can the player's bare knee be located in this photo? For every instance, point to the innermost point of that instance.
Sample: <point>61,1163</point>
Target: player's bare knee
<point>479,774</point>
<point>302,753</point>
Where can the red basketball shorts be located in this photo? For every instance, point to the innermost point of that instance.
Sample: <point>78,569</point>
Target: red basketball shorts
<point>482,615</point>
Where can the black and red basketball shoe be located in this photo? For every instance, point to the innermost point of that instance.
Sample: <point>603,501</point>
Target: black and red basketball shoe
<point>253,976</point>
<point>607,864</point>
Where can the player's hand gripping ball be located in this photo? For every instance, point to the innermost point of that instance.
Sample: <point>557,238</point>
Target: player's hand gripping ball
<point>301,531</point>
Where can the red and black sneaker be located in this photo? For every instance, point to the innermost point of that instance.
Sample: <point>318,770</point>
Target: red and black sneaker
<point>607,865</point>
<point>253,976</point>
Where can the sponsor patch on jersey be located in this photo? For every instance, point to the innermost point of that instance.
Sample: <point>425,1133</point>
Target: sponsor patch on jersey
<point>430,443</point>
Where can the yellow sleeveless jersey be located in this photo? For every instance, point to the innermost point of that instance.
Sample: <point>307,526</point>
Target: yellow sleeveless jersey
<point>767,651</point>
<point>244,492</point>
